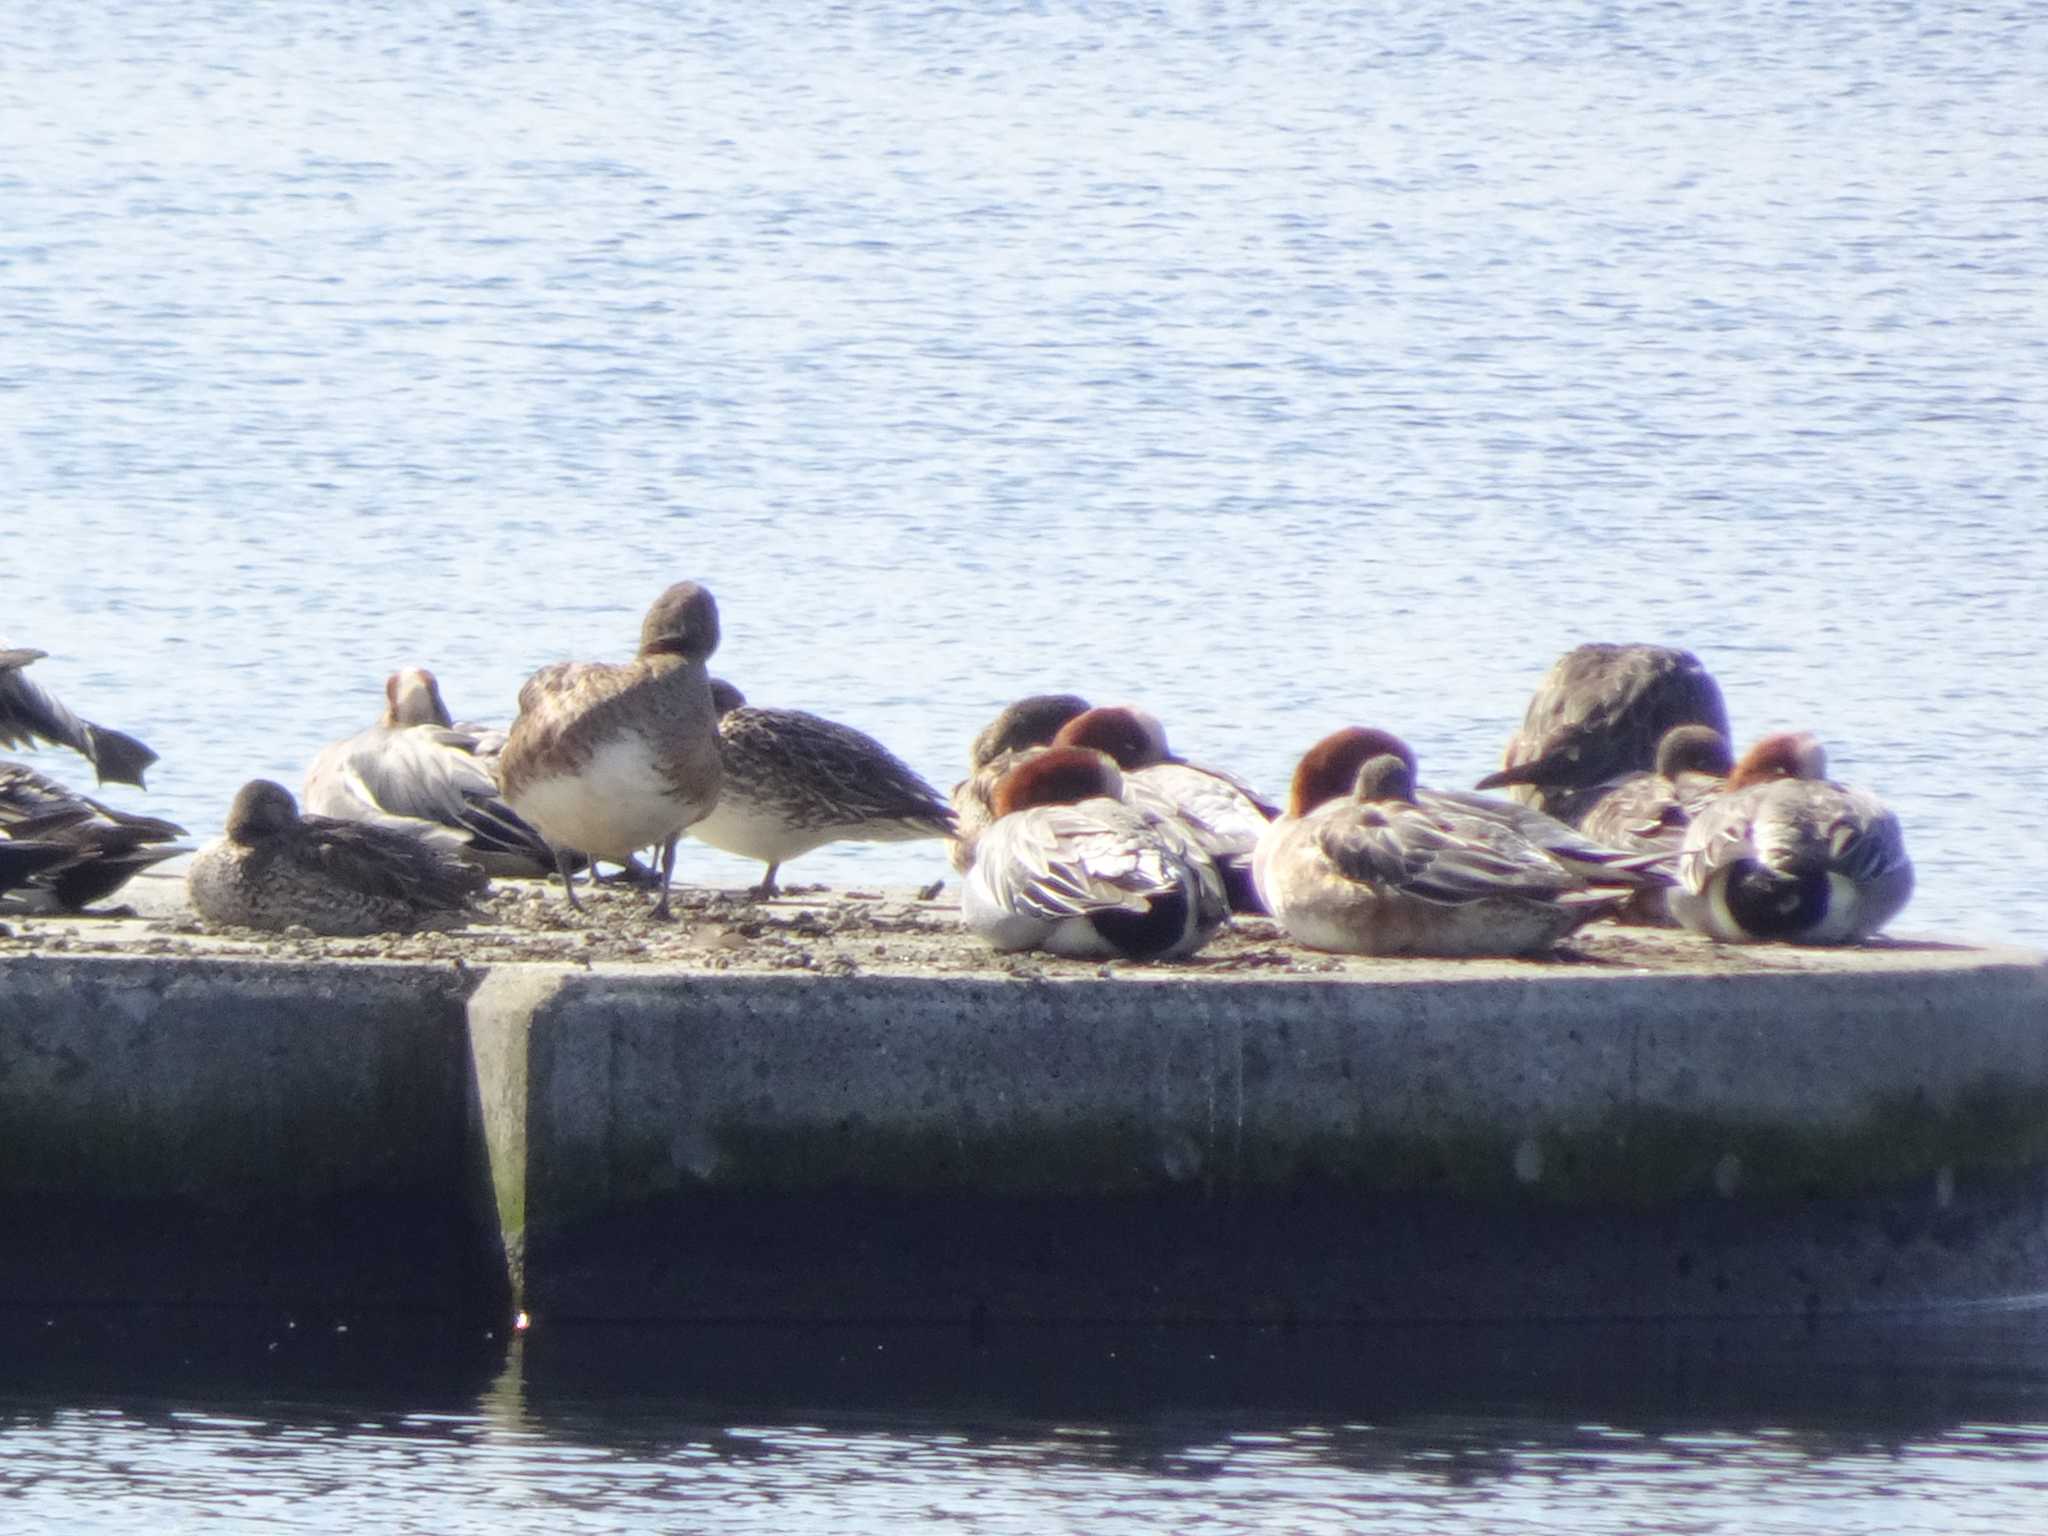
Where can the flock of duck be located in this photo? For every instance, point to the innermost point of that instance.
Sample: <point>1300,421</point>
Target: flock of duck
<point>1077,830</point>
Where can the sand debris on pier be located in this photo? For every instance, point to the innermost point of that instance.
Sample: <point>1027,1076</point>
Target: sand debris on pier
<point>828,931</point>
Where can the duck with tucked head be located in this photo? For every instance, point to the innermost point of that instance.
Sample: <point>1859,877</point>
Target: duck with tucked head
<point>1360,864</point>
<point>28,714</point>
<point>1344,750</point>
<point>1787,854</point>
<point>1026,726</point>
<point>416,771</point>
<point>1598,714</point>
<point>1069,867</point>
<point>276,869</point>
<point>1223,814</point>
<point>609,757</point>
<point>794,781</point>
<point>1649,812</point>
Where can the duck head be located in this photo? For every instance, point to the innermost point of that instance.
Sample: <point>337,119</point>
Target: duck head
<point>724,697</point>
<point>413,697</point>
<point>1130,737</point>
<point>1781,755</point>
<point>683,622</point>
<point>1030,722</point>
<point>1057,776</point>
<point>261,809</point>
<point>1385,777</point>
<point>1329,769</point>
<point>1694,749</point>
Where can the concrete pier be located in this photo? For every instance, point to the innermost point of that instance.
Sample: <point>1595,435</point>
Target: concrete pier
<point>1708,1134</point>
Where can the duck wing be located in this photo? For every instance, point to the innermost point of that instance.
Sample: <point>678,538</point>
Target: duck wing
<point>1408,849</point>
<point>29,714</point>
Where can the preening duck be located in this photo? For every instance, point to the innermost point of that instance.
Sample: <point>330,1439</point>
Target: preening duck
<point>415,771</point>
<point>607,758</point>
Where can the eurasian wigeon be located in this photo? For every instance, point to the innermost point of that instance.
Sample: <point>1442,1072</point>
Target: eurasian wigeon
<point>1028,725</point>
<point>1223,814</point>
<point>1069,867</point>
<point>1785,853</point>
<point>1362,863</point>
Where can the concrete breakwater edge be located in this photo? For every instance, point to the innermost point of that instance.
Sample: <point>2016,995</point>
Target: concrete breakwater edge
<point>837,1108</point>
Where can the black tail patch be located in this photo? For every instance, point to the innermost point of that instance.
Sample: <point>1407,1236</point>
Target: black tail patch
<point>1775,906</point>
<point>1141,935</point>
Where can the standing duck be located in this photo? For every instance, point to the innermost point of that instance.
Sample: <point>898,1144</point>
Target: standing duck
<point>609,757</point>
<point>1069,867</point>
<point>29,715</point>
<point>1223,814</point>
<point>276,869</point>
<point>793,781</point>
<point>416,771</point>
<point>1598,714</point>
<point>1787,854</point>
<point>1023,727</point>
<point>1362,864</point>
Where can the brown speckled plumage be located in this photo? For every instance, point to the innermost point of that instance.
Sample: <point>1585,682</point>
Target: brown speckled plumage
<point>276,869</point>
<point>794,781</point>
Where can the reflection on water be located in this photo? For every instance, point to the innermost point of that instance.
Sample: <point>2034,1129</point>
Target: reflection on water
<point>1901,1424</point>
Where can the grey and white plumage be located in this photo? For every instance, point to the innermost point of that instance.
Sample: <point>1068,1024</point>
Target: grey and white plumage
<point>275,869</point>
<point>1070,867</point>
<point>1224,815</point>
<point>1786,854</point>
<point>29,714</point>
<point>608,758</point>
<point>1327,769</point>
<point>415,771</point>
<point>793,781</point>
<point>104,848</point>
<point>1371,869</point>
<point>1649,812</point>
<point>1598,714</point>
<point>1020,728</point>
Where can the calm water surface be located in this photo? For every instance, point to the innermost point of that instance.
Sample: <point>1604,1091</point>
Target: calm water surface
<point>1279,367</point>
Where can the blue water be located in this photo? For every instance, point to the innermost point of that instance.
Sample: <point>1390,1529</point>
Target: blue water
<point>1278,367</point>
